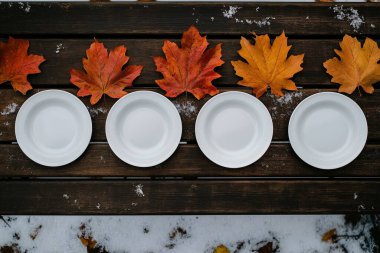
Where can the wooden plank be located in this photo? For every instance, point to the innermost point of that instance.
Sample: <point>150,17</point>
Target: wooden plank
<point>172,18</point>
<point>55,71</point>
<point>189,197</point>
<point>280,109</point>
<point>188,161</point>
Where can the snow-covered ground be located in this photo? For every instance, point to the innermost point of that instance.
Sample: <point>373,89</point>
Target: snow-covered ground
<point>188,234</point>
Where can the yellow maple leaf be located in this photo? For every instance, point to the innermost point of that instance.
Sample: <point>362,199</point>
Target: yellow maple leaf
<point>221,249</point>
<point>267,65</point>
<point>358,66</point>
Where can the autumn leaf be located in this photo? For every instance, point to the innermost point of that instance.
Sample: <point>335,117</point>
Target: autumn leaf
<point>104,73</point>
<point>267,65</point>
<point>10,249</point>
<point>357,66</point>
<point>88,241</point>
<point>35,232</point>
<point>221,249</point>
<point>16,64</point>
<point>267,248</point>
<point>329,236</point>
<point>189,68</point>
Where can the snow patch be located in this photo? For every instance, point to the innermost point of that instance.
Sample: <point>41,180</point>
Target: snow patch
<point>278,102</point>
<point>349,14</point>
<point>59,48</point>
<point>186,108</point>
<point>96,111</point>
<point>184,234</point>
<point>230,12</point>
<point>25,6</point>
<point>139,190</point>
<point>287,98</point>
<point>263,22</point>
<point>9,109</point>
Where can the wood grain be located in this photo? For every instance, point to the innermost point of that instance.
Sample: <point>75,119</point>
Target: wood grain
<point>280,109</point>
<point>189,197</point>
<point>187,183</point>
<point>173,18</point>
<point>188,162</point>
<point>56,70</point>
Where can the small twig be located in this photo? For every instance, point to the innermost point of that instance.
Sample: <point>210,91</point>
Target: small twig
<point>360,94</point>
<point>104,100</point>
<point>2,218</point>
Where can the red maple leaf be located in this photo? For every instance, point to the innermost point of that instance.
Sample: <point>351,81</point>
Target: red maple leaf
<point>16,64</point>
<point>104,73</point>
<point>189,68</point>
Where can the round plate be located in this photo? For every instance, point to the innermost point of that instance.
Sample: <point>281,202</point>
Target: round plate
<point>234,129</point>
<point>328,130</point>
<point>143,128</point>
<point>53,128</point>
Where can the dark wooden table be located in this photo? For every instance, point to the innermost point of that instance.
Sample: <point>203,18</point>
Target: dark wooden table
<point>188,183</point>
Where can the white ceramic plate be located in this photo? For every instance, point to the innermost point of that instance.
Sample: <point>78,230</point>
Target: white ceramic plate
<point>143,128</point>
<point>234,129</point>
<point>328,130</point>
<point>53,128</point>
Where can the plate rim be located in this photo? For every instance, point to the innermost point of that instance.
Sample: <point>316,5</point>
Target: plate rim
<point>291,132</point>
<point>24,107</point>
<point>176,115</point>
<point>239,93</point>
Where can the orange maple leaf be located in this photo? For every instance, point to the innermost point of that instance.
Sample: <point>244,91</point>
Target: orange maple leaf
<point>358,66</point>
<point>16,64</point>
<point>104,73</point>
<point>267,65</point>
<point>189,68</point>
